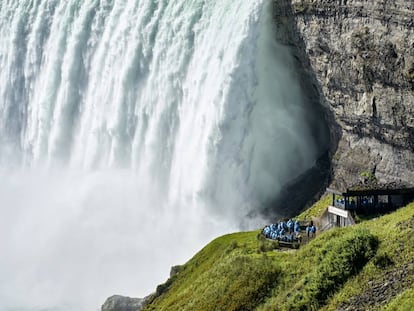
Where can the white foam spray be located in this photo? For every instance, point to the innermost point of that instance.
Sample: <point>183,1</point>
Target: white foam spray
<point>132,132</point>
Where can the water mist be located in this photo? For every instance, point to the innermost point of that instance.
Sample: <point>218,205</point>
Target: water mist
<point>132,132</point>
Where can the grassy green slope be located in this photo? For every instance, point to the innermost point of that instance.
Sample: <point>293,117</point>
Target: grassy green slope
<point>316,209</point>
<point>227,273</point>
<point>403,302</point>
<point>340,268</point>
<point>392,269</point>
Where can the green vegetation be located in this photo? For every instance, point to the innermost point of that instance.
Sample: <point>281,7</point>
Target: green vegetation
<point>394,261</point>
<point>340,268</point>
<point>300,8</point>
<point>318,269</point>
<point>338,260</point>
<point>316,209</point>
<point>403,302</point>
<point>230,273</point>
<point>266,245</point>
<point>369,177</point>
<point>410,73</point>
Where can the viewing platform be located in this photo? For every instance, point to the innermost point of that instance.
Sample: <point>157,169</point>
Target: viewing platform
<point>368,200</point>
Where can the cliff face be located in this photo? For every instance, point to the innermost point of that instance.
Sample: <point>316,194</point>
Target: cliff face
<point>360,56</point>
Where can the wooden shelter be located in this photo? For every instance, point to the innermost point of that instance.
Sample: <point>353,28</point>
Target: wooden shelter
<point>373,199</point>
<point>369,201</point>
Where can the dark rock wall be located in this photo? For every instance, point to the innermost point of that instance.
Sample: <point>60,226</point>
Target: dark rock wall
<point>360,57</point>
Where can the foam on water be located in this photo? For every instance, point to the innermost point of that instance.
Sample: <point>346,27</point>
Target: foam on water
<point>132,132</point>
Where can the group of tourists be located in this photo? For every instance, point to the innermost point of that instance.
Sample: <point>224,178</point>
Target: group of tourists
<point>288,231</point>
<point>365,202</point>
<point>351,204</point>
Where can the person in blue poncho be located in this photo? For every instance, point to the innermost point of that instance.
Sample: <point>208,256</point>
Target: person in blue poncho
<point>313,230</point>
<point>290,225</point>
<point>297,227</point>
<point>308,230</point>
<point>266,231</point>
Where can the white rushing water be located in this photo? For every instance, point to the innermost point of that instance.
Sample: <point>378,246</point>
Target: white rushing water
<point>132,132</point>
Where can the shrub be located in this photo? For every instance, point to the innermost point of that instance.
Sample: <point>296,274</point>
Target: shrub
<point>268,245</point>
<point>382,261</point>
<point>344,257</point>
<point>368,177</point>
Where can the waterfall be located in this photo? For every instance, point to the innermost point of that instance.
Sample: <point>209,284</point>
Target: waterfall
<point>132,132</point>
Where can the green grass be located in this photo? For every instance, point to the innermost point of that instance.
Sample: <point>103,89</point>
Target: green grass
<point>343,258</point>
<point>231,273</point>
<point>395,232</point>
<point>243,272</point>
<point>318,269</point>
<point>316,209</point>
<point>403,302</point>
<point>369,177</point>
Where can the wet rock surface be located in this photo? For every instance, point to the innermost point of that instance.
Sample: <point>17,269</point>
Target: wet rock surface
<point>361,56</point>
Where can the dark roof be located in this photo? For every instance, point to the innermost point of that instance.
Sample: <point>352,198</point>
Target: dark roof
<point>372,191</point>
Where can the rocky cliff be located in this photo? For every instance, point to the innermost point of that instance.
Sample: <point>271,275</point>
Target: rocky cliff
<point>360,56</point>
<point>357,58</point>
<point>121,303</point>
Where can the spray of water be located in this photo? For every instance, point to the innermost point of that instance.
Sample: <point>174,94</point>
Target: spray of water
<point>132,132</point>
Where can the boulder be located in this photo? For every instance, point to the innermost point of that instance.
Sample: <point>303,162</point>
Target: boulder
<point>121,303</point>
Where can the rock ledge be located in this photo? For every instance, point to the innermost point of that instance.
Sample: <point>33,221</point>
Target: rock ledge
<point>121,303</point>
